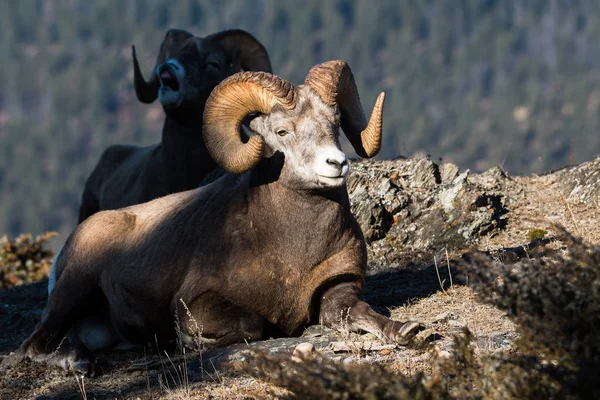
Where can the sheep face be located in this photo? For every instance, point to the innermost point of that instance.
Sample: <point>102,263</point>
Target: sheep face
<point>188,68</point>
<point>306,139</point>
<point>297,127</point>
<point>189,75</point>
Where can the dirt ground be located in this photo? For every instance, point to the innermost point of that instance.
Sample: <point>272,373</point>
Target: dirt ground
<point>411,291</point>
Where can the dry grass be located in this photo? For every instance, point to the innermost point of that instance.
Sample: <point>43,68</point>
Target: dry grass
<point>232,386</point>
<point>555,353</point>
<point>554,301</point>
<point>548,311</point>
<point>455,309</point>
<point>537,203</point>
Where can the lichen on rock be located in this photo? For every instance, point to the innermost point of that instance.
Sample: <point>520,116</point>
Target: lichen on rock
<point>580,183</point>
<point>416,204</point>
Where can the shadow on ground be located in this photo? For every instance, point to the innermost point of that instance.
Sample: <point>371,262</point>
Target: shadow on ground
<point>21,308</point>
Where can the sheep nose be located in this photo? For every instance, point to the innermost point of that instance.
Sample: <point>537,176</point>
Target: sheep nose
<point>173,64</point>
<point>332,162</point>
<point>337,162</point>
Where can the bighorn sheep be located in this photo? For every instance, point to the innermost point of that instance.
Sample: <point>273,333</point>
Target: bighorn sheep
<point>187,70</point>
<point>273,244</point>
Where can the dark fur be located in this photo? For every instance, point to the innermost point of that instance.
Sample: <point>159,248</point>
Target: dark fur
<point>127,175</point>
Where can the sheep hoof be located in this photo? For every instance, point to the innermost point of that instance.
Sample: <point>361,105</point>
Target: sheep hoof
<point>407,332</point>
<point>78,360</point>
<point>84,367</point>
<point>69,358</point>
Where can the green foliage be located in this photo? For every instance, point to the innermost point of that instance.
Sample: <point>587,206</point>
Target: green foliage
<point>478,83</point>
<point>536,234</point>
<point>24,259</point>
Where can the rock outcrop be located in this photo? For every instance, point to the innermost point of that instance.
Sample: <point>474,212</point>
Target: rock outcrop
<point>580,183</point>
<point>409,205</point>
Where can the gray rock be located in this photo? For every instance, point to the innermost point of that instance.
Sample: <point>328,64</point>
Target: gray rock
<point>448,172</point>
<point>319,336</point>
<point>443,317</point>
<point>496,340</point>
<point>414,204</point>
<point>580,183</point>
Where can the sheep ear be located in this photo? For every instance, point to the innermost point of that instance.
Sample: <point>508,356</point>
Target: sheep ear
<point>246,132</point>
<point>247,53</point>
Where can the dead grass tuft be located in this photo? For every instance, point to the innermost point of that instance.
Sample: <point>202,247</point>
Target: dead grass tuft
<point>322,378</point>
<point>555,301</point>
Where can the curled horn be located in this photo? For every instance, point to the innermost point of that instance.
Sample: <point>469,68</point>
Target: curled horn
<point>334,83</point>
<point>229,103</point>
<point>147,92</point>
<point>251,54</point>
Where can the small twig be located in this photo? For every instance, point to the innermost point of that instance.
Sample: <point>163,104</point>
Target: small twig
<point>147,374</point>
<point>572,215</point>
<point>55,352</point>
<point>506,156</point>
<point>216,372</point>
<point>152,364</point>
<point>448,262</point>
<point>80,385</point>
<point>338,347</point>
<point>438,274</point>
<point>169,371</point>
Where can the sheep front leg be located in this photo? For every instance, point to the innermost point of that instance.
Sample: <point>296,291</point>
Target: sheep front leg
<point>342,310</point>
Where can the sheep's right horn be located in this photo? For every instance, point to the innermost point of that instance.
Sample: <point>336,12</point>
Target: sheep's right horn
<point>146,92</point>
<point>229,103</point>
<point>334,83</point>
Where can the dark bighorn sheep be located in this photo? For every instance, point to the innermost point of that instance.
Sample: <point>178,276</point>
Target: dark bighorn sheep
<point>274,244</point>
<point>187,70</point>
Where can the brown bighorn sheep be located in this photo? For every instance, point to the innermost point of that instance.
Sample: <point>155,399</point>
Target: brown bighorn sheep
<point>187,70</point>
<point>273,244</point>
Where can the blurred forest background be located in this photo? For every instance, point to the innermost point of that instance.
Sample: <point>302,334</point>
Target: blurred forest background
<point>475,82</point>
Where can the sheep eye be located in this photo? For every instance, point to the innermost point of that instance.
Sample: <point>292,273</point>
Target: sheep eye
<point>282,132</point>
<point>213,64</point>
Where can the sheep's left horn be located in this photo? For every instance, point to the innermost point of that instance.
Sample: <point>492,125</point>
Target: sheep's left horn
<point>251,54</point>
<point>229,103</point>
<point>146,92</point>
<point>334,83</point>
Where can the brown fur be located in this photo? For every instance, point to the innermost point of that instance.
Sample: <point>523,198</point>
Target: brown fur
<point>263,249</point>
